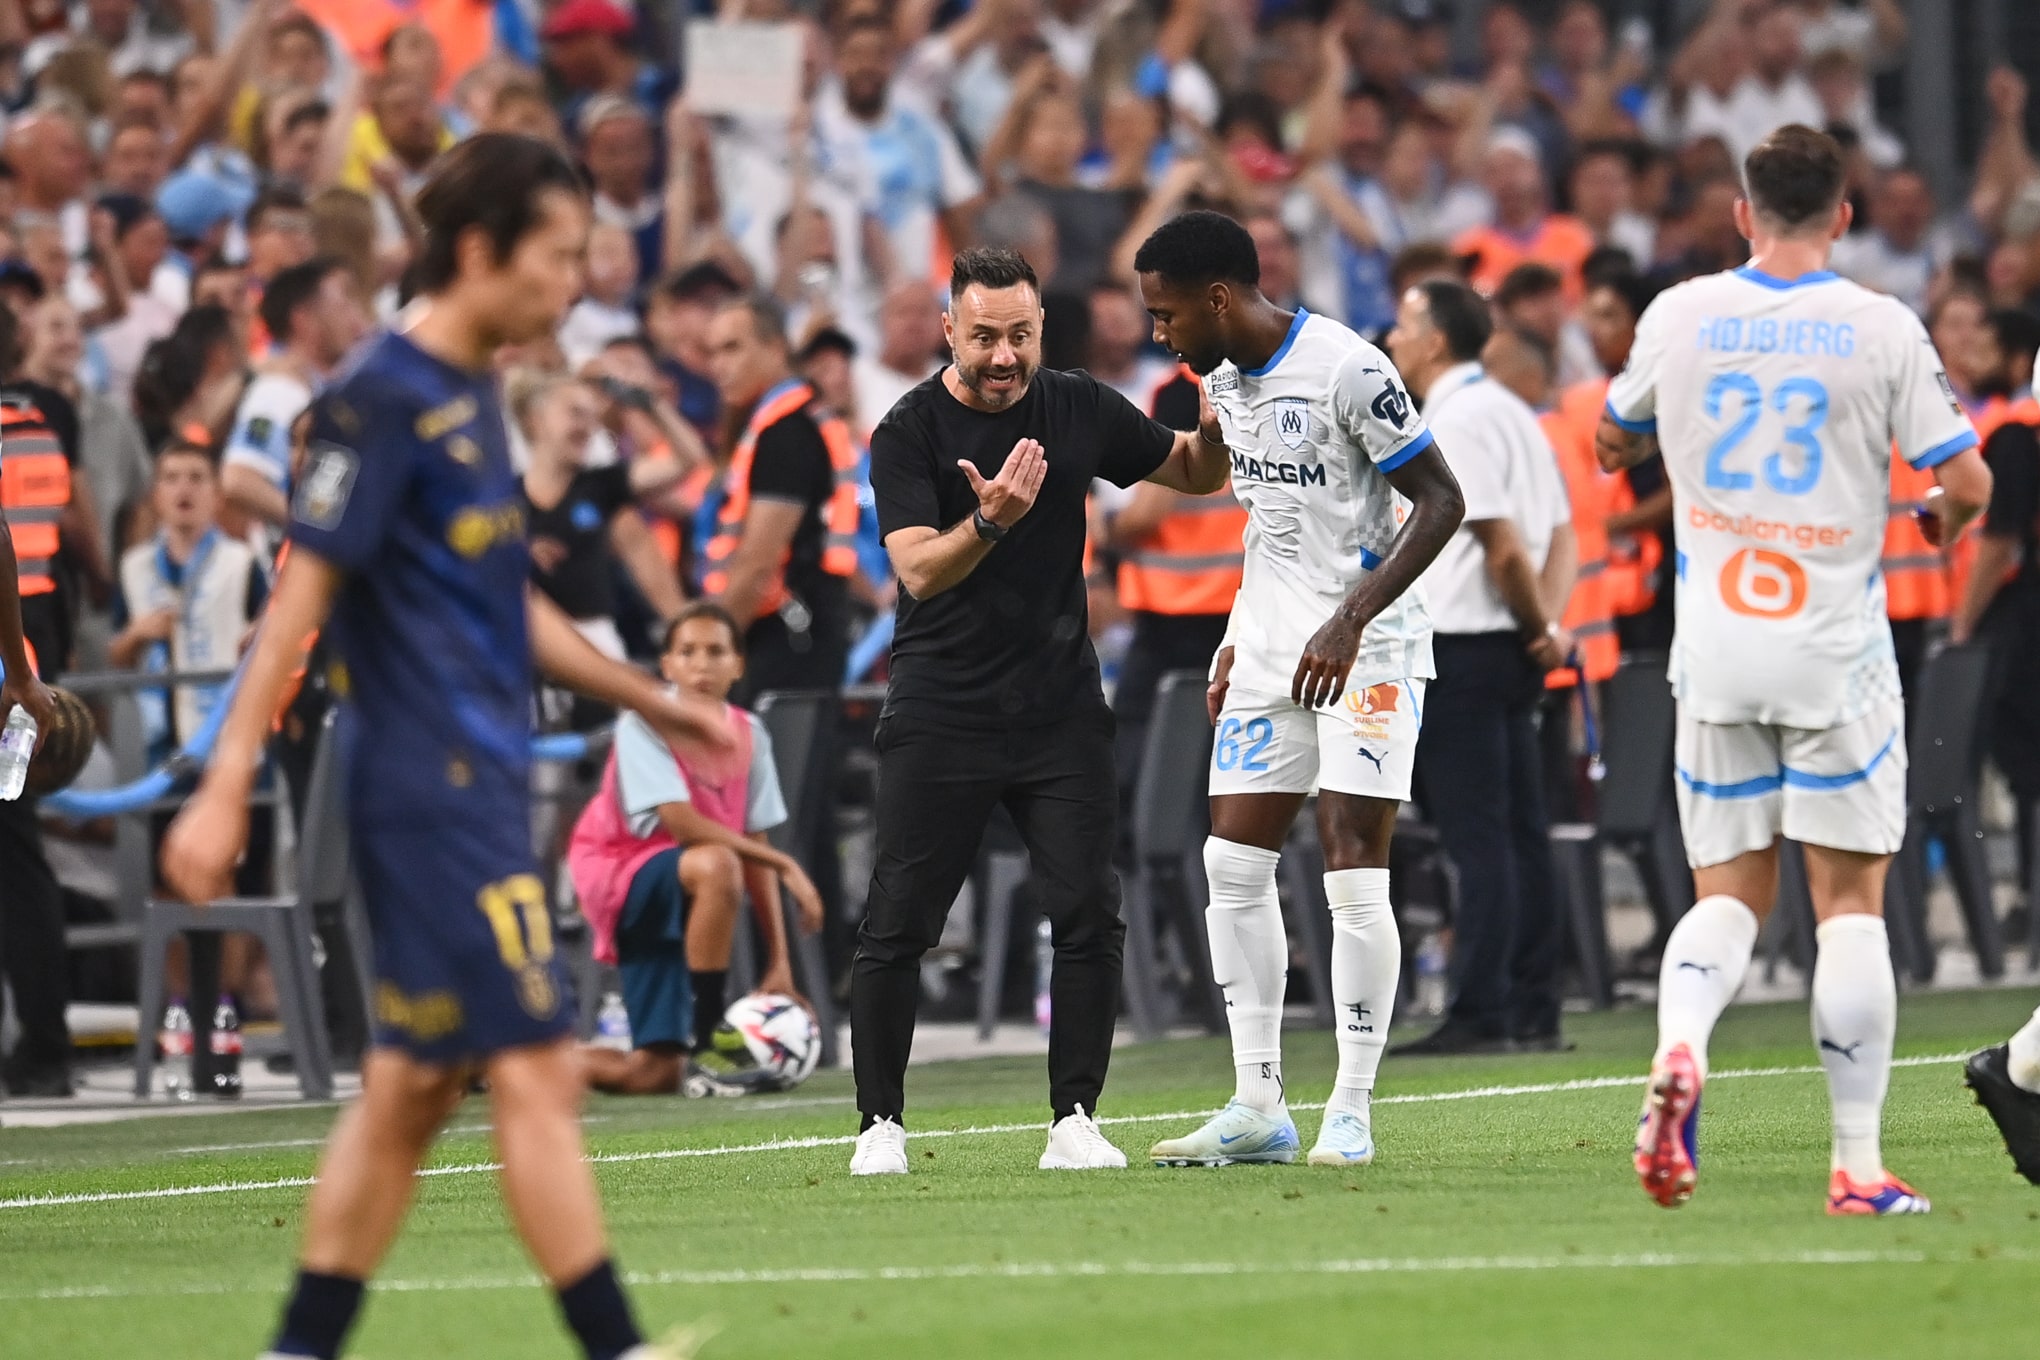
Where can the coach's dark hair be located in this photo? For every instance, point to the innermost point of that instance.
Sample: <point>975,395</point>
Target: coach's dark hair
<point>494,182</point>
<point>768,318</point>
<point>292,289</point>
<point>1633,288</point>
<point>703,609</point>
<point>1461,316</point>
<point>1527,280</point>
<point>1200,247</point>
<point>1795,176</point>
<point>990,267</point>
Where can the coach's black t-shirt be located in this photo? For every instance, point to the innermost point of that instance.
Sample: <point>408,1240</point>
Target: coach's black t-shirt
<point>1010,644</point>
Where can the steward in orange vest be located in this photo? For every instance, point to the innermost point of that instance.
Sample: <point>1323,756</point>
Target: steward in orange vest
<point>1594,495</point>
<point>35,496</point>
<point>786,577</point>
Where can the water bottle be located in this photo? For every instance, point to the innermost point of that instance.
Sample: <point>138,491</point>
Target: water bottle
<point>1044,967</point>
<point>1431,960</point>
<point>612,1024</point>
<point>226,1050</point>
<point>174,1042</point>
<point>17,745</point>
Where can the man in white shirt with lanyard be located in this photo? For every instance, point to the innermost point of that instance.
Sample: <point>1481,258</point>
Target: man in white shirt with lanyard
<point>1777,391</point>
<point>1496,592</point>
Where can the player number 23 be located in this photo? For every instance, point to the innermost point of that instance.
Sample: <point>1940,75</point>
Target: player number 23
<point>1802,434</point>
<point>1231,755</point>
<point>516,910</point>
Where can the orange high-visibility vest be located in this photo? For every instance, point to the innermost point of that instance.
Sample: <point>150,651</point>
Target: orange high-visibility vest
<point>1987,419</point>
<point>1593,495</point>
<point>1561,241</point>
<point>35,489</point>
<point>1192,562</point>
<point>839,515</point>
<point>1632,558</point>
<point>1916,578</point>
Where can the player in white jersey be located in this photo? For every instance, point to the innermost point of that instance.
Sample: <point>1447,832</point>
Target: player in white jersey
<point>1776,392</point>
<point>1320,682</point>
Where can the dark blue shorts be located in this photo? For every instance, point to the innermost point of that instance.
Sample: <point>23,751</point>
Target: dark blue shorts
<point>465,962</point>
<point>651,954</point>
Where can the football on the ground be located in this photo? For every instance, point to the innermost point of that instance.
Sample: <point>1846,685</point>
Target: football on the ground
<point>783,1038</point>
<point>65,746</point>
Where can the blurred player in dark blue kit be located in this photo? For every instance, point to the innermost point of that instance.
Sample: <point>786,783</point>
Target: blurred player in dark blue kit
<point>407,532</point>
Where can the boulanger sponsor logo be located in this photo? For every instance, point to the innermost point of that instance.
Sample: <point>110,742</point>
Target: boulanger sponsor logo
<point>1769,530</point>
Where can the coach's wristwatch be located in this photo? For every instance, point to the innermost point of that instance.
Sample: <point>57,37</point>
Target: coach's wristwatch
<point>988,531</point>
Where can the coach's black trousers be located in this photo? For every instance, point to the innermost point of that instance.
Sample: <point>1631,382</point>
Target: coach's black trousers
<point>937,787</point>
<point>1480,774</point>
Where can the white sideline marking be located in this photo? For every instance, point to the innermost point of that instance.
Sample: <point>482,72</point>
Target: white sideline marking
<point>845,1140</point>
<point>1057,1270</point>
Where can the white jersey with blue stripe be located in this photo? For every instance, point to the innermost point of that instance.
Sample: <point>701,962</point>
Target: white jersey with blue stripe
<point>1313,433</point>
<point>1777,403</point>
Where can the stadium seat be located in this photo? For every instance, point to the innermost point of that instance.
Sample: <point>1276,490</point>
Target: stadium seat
<point>284,925</point>
<point>1171,817</point>
<point>1636,814</point>
<point>802,726</point>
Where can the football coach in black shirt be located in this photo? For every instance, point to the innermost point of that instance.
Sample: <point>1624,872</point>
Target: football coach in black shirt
<point>980,475</point>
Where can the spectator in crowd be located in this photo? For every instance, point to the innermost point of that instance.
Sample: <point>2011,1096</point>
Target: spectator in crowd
<point>140,293</point>
<point>909,346</point>
<point>191,378</point>
<point>312,312</point>
<point>676,322</point>
<point>586,53</point>
<point>663,859</point>
<point>136,159</point>
<point>1758,45</point>
<point>1525,228</point>
<point>781,554</point>
<point>1532,299</point>
<point>1898,253</point>
<point>1603,191</point>
<point>581,520</point>
<point>52,162</point>
<point>916,176</point>
<point>111,453</point>
<point>604,311</point>
<point>1042,137</point>
<point>618,148</point>
<point>1496,594</point>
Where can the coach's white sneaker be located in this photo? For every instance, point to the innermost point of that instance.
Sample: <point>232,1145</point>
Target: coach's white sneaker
<point>1345,1140</point>
<point>1076,1144</point>
<point>1237,1133</point>
<point>881,1150</point>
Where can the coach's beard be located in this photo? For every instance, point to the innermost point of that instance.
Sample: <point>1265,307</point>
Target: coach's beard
<point>997,388</point>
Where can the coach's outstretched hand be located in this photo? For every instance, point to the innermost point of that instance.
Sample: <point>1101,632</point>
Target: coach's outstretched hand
<point>1327,659</point>
<point>1010,495</point>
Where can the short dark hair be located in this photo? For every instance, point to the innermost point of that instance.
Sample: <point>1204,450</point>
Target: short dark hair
<point>991,267</point>
<point>492,182</point>
<point>1795,176</point>
<point>1633,288</point>
<point>2017,331</point>
<point>1200,247</point>
<point>698,283</point>
<point>1527,280</point>
<point>273,198</point>
<point>703,609</point>
<point>768,318</point>
<point>184,446</point>
<point>1461,316</point>
<point>631,340</point>
<point>292,289</point>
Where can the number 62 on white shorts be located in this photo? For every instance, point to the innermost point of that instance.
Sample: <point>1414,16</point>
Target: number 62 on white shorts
<point>1364,742</point>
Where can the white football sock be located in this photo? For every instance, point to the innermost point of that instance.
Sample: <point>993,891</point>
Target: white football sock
<point>1366,964</point>
<point>2025,1056</point>
<point>1703,967</point>
<point>1855,1016</point>
<point>1250,960</point>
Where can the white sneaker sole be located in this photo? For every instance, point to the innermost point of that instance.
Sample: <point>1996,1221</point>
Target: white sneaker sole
<point>1280,1157</point>
<point>1048,1163</point>
<point>878,1171</point>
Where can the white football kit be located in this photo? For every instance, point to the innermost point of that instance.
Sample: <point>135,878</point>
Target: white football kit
<point>1313,433</point>
<point>1776,403</point>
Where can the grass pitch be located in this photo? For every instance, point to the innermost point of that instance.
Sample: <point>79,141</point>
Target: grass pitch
<point>1501,1219</point>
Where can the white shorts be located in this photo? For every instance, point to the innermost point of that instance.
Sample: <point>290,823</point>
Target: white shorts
<point>1363,744</point>
<point>1743,785</point>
